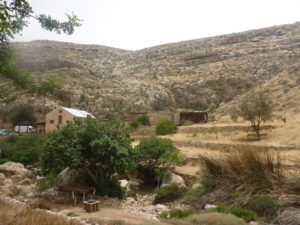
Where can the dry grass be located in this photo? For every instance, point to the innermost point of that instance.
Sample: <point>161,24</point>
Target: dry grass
<point>209,219</point>
<point>245,169</point>
<point>11,216</point>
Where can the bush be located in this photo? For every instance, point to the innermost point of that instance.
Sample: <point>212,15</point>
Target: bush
<point>165,127</point>
<point>247,169</point>
<point>140,120</point>
<point>46,182</point>
<point>25,149</point>
<point>156,156</point>
<point>212,218</point>
<point>177,213</point>
<point>21,114</point>
<point>51,85</point>
<point>263,205</point>
<point>239,212</point>
<point>169,193</point>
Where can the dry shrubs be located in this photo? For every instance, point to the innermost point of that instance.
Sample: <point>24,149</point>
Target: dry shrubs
<point>246,169</point>
<point>28,216</point>
<point>209,219</point>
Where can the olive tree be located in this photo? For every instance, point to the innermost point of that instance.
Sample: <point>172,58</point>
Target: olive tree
<point>101,149</point>
<point>256,107</point>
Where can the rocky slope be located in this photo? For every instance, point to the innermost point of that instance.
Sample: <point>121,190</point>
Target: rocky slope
<point>198,74</point>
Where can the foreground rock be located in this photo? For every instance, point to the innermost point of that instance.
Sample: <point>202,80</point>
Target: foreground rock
<point>173,178</point>
<point>12,168</point>
<point>290,216</point>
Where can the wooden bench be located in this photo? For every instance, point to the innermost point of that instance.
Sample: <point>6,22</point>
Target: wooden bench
<point>76,190</point>
<point>254,137</point>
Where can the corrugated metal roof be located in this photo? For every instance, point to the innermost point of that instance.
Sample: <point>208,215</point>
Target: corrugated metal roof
<point>78,113</point>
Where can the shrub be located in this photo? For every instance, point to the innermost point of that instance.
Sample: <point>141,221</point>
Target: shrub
<point>51,85</point>
<point>47,182</point>
<point>140,120</point>
<point>26,149</point>
<point>21,114</point>
<point>239,212</point>
<point>134,124</point>
<point>156,156</point>
<point>263,205</point>
<point>165,127</point>
<point>248,169</point>
<point>212,218</point>
<point>169,193</point>
<point>144,120</point>
<point>177,213</point>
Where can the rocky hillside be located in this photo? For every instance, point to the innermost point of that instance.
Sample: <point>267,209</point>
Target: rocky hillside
<point>200,74</point>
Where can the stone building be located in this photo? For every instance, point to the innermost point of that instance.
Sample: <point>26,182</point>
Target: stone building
<point>61,116</point>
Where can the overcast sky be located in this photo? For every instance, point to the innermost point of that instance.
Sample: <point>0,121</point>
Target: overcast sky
<point>137,24</point>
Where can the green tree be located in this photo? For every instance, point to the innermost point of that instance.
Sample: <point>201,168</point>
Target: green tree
<point>21,114</point>
<point>51,85</point>
<point>101,149</point>
<point>256,107</point>
<point>156,156</point>
<point>14,16</point>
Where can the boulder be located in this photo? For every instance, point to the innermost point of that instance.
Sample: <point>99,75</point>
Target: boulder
<point>290,216</point>
<point>161,208</point>
<point>25,182</point>
<point>134,183</point>
<point>12,168</point>
<point>2,176</point>
<point>67,177</point>
<point>124,184</point>
<point>173,178</point>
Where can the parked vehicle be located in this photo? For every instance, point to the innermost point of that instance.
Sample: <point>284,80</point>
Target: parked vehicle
<point>6,132</point>
<point>24,129</point>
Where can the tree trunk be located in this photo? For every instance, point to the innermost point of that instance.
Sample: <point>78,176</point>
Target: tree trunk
<point>92,176</point>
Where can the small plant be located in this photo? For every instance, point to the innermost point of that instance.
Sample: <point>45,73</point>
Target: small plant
<point>169,193</point>
<point>239,212</point>
<point>263,205</point>
<point>140,120</point>
<point>46,182</point>
<point>177,213</point>
<point>165,127</point>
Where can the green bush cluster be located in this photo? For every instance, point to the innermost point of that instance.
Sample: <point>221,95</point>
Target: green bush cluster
<point>239,212</point>
<point>263,205</point>
<point>26,149</point>
<point>52,85</point>
<point>140,120</point>
<point>177,213</point>
<point>165,127</point>
<point>155,156</point>
<point>169,193</point>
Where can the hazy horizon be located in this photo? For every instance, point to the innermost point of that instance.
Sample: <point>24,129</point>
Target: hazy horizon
<point>139,24</point>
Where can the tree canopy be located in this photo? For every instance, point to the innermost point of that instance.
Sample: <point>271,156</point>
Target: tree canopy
<point>256,107</point>
<point>14,16</point>
<point>101,149</point>
<point>22,114</point>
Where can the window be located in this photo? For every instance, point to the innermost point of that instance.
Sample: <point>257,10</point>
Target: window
<point>60,118</point>
<point>60,111</point>
<point>51,121</point>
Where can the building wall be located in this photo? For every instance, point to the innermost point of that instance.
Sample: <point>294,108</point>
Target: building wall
<point>52,119</point>
<point>156,117</point>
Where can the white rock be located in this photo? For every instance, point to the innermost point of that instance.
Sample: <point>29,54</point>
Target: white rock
<point>12,168</point>
<point>209,206</point>
<point>173,178</point>
<point>161,208</point>
<point>253,223</point>
<point>124,184</point>
<point>130,200</point>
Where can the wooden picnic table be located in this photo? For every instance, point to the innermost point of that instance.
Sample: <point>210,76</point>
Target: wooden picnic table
<point>76,190</point>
